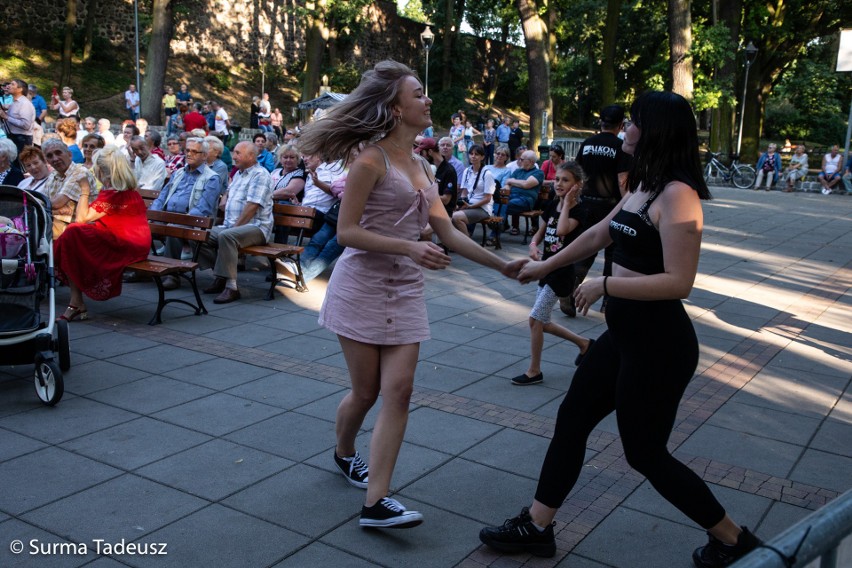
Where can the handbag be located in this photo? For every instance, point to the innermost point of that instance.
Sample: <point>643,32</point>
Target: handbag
<point>332,214</point>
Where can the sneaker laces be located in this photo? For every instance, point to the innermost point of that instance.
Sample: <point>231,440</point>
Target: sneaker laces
<point>393,505</point>
<point>357,465</point>
<point>515,522</point>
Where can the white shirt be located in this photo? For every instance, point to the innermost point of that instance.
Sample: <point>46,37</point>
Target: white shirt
<point>150,174</point>
<point>327,172</point>
<point>221,118</point>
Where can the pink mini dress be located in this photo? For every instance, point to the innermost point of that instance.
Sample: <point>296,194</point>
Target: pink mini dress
<point>378,298</point>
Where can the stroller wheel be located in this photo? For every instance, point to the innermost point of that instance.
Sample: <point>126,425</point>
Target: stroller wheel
<point>63,345</point>
<point>48,381</point>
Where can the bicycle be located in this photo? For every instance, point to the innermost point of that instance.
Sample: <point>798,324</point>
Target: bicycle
<point>740,175</point>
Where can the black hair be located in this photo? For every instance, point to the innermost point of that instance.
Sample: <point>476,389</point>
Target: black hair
<point>667,149</point>
<point>558,151</point>
<point>477,148</point>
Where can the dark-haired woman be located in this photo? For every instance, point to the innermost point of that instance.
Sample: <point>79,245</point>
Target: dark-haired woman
<point>641,365</point>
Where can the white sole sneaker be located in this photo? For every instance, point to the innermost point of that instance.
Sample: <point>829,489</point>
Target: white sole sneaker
<point>389,513</point>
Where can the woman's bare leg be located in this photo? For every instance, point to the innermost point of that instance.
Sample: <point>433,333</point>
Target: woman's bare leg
<point>362,359</point>
<point>397,381</point>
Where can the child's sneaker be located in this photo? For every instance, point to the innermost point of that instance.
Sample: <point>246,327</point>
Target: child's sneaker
<point>353,468</point>
<point>716,554</point>
<point>389,514</point>
<point>519,534</point>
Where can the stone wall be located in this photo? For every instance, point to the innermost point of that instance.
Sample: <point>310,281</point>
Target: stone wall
<point>232,31</point>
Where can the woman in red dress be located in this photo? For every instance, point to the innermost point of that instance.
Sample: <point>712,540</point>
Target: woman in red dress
<point>109,234</point>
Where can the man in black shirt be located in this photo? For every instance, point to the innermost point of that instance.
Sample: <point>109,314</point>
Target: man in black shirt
<point>445,175</point>
<point>516,138</point>
<point>605,166</point>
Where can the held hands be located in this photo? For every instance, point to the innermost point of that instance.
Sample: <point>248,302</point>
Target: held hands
<point>513,267</point>
<point>588,293</point>
<point>428,255</point>
<point>531,271</point>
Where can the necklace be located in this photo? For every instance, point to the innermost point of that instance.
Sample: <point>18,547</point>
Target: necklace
<point>412,156</point>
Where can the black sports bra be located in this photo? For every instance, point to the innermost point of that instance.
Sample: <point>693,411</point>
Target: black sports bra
<point>637,242</point>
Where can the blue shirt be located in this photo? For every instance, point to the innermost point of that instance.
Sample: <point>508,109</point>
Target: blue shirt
<point>76,154</point>
<point>39,104</point>
<point>183,97</point>
<point>267,160</point>
<point>503,132</point>
<point>530,195</point>
<point>179,201</point>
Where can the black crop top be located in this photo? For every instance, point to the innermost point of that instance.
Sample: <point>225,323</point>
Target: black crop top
<point>637,242</point>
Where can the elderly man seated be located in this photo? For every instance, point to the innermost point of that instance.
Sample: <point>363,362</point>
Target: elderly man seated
<point>525,184</point>
<point>193,189</point>
<point>149,168</point>
<point>248,222</point>
<point>64,186</point>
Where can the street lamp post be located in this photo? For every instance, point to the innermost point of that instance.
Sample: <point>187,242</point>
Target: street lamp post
<point>427,38</point>
<point>750,53</point>
<point>136,33</point>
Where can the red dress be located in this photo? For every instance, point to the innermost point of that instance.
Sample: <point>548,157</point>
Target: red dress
<point>93,255</point>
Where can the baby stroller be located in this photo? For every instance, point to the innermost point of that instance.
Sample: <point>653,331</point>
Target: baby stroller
<point>26,278</point>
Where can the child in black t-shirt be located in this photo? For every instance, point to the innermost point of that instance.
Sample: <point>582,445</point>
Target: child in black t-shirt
<point>558,228</point>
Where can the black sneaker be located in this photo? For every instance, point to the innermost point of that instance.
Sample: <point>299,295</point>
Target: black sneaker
<point>716,554</point>
<point>389,513</point>
<point>524,379</point>
<point>520,535</point>
<point>353,468</point>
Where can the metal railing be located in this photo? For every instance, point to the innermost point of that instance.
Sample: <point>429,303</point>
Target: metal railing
<point>816,536</point>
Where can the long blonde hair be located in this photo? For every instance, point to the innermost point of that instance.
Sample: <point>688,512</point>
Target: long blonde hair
<point>113,168</point>
<point>364,115</point>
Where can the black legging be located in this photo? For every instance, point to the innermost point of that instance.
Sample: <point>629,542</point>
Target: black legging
<point>639,368</point>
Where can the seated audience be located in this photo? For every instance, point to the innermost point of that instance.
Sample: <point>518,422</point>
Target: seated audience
<point>193,189</point>
<point>36,166</point>
<point>106,236</point>
<point>65,184</point>
<point>830,174</point>
<point>214,161</point>
<point>248,222</point>
<point>9,173</point>
<point>524,185</point>
<point>67,130</point>
<point>150,170</point>
<point>797,169</point>
<point>264,157</point>
<point>769,165</point>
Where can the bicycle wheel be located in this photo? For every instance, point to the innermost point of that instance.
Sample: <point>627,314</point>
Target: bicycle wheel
<point>743,176</point>
<point>709,174</point>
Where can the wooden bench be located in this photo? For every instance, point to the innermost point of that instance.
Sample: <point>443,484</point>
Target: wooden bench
<point>502,198</point>
<point>300,220</point>
<point>149,196</point>
<point>543,197</point>
<point>192,228</point>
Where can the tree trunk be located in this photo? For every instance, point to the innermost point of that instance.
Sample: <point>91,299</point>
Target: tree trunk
<point>68,44</point>
<point>447,41</point>
<point>610,36</point>
<point>538,63</point>
<point>91,11</point>
<point>722,125</point>
<point>314,49</point>
<point>680,42</point>
<point>499,63</point>
<point>162,19</point>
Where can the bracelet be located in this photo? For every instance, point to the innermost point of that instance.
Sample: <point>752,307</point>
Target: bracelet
<point>606,293</point>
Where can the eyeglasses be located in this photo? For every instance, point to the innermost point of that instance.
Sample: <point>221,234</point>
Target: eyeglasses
<point>196,152</point>
<point>90,146</point>
<point>172,143</point>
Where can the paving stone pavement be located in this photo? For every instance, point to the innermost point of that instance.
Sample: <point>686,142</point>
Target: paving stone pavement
<point>213,434</point>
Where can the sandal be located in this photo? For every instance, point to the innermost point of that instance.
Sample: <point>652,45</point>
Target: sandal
<point>515,231</point>
<point>73,312</point>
